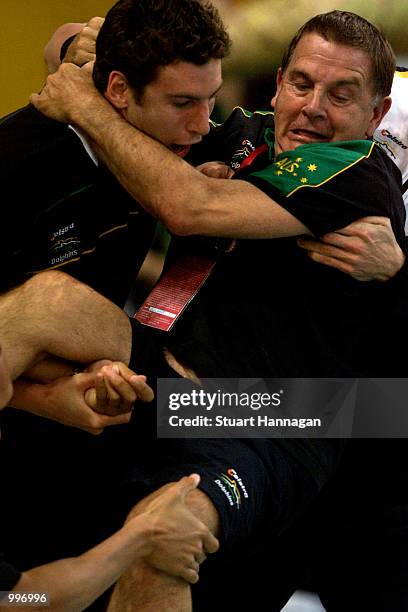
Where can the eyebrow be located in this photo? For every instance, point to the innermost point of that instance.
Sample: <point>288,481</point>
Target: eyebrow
<point>352,81</point>
<point>188,96</point>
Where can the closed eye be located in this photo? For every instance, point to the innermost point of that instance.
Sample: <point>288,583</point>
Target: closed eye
<point>301,86</point>
<point>340,99</point>
<point>183,103</point>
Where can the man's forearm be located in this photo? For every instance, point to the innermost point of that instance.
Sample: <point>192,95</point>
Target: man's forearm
<point>185,200</point>
<point>73,584</point>
<point>49,369</point>
<point>145,586</point>
<point>64,401</point>
<point>28,396</point>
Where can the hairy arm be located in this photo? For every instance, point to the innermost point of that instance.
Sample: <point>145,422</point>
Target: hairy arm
<point>54,314</point>
<point>102,396</point>
<point>64,401</point>
<point>147,584</point>
<point>156,177</point>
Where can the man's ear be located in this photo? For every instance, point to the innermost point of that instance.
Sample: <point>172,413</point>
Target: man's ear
<point>379,112</point>
<point>279,77</point>
<point>117,91</point>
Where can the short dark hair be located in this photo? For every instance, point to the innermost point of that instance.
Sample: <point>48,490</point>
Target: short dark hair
<point>352,30</point>
<point>140,36</point>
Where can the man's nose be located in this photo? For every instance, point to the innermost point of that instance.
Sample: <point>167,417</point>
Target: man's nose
<point>199,120</point>
<point>315,106</point>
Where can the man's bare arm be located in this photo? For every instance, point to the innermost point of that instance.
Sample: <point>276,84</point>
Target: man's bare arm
<point>147,585</point>
<point>64,401</point>
<point>165,528</point>
<point>54,314</point>
<point>156,177</point>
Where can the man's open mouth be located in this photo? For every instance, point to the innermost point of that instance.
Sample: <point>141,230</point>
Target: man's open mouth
<point>309,134</point>
<point>180,150</point>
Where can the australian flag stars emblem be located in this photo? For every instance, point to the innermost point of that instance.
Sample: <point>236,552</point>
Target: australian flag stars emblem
<point>312,165</point>
<point>295,168</point>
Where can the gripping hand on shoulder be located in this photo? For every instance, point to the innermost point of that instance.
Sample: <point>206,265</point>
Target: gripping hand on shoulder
<point>66,92</point>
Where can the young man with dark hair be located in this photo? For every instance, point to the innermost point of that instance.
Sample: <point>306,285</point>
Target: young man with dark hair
<point>316,322</point>
<point>140,38</point>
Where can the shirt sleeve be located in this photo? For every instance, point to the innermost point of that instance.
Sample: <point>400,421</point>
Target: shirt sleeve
<point>329,186</point>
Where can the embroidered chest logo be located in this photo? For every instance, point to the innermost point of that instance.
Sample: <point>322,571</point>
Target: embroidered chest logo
<point>240,154</point>
<point>314,164</point>
<point>294,167</point>
<point>64,245</point>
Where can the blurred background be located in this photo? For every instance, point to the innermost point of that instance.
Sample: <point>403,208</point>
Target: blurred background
<point>259,29</point>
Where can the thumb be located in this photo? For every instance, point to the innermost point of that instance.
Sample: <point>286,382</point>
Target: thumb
<point>188,484</point>
<point>90,397</point>
<point>210,543</point>
<point>85,379</point>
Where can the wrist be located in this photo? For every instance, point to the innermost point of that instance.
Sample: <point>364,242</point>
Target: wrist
<point>398,279</point>
<point>141,529</point>
<point>400,269</point>
<point>92,113</point>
